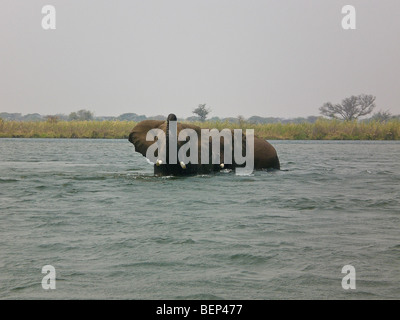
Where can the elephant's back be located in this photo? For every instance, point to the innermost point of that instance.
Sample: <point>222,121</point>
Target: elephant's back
<point>265,155</point>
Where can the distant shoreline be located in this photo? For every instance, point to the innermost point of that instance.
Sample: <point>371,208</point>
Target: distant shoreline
<point>320,130</point>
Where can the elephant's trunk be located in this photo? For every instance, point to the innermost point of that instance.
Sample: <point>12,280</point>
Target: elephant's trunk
<point>167,142</point>
<point>171,117</point>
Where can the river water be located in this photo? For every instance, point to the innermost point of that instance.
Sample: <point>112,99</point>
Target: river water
<point>93,210</point>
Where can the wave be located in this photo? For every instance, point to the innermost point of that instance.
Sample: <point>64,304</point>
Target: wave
<point>8,180</point>
<point>246,258</point>
<point>200,296</point>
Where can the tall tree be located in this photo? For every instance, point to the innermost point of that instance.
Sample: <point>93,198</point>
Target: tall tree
<point>202,112</point>
<point>85,115</point>
<point>241,120</point>
<point>351,108</point>
<point>82,115</point>
<point>382,116</point>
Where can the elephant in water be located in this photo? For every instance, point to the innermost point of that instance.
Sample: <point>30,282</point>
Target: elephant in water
<point>263,157</point>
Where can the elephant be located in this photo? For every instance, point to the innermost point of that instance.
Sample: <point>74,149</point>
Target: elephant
<point>265,155</point>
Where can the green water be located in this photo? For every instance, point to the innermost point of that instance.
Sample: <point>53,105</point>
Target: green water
<point>94,211</point>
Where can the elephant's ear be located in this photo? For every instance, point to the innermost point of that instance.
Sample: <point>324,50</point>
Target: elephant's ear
<point>139,132</point>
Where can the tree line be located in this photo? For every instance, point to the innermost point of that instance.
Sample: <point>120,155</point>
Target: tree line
<point>351,108</point>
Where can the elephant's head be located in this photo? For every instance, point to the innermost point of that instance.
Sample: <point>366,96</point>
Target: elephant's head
<point>138,138</point>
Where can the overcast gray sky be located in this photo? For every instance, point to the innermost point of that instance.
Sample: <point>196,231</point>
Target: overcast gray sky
<point>256,57</point>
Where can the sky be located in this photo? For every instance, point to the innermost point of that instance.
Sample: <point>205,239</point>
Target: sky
<point>270,58</point>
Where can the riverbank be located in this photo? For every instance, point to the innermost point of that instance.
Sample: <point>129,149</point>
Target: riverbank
<point>320,130</point>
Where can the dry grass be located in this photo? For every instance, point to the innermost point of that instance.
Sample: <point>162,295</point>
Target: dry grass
<point>321,130</point>
<point>67,129</point>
